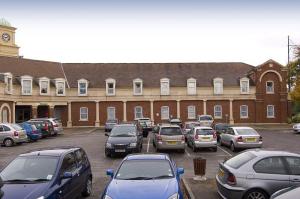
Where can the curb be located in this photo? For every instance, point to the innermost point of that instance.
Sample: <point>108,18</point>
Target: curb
<point>187,189</point>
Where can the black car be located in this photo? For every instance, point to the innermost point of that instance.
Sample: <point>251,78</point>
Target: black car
<point>124,139</point>
<point>220,128</point>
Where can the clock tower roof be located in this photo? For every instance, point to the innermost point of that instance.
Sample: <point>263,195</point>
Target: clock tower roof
<point>4,22</point>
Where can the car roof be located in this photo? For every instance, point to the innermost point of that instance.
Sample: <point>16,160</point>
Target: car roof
<point>205,115</point>
<point>202,127</point>
<point>266,153</point>
<point>192,122</point>
<point>147,157</point>
<point>169,125</point>
<point>241,127</point>
<point>56,151</point>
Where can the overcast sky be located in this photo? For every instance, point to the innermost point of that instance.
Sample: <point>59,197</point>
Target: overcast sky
<point>250,31</point>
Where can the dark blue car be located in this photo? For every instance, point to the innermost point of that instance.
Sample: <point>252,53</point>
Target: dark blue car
<point>48,174</point>
<point>32,133</point>
<point>146,176</point>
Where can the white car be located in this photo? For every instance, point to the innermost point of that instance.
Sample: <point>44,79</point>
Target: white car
<point>296,127</point>
<point>205,120</point>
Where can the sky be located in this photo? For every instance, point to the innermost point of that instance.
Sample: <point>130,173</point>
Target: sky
<point>140,31</point>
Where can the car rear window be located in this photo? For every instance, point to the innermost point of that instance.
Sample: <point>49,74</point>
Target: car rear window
<point>170,131</point>
<point>16,127</point>
<point>240,159</point>
<point>205,132</point>
<point>191,125</point>
<point>246,132</point>
<point>206,118</point>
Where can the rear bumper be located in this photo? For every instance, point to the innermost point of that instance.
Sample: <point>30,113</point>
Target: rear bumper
<point>20,140</point>
<point>248,145</point>
<point>34,136</point>
<point>127,150</point>
<point>206,144</point>
<point>164,145</point>
<point>58,129</point>
<point>227,192</point>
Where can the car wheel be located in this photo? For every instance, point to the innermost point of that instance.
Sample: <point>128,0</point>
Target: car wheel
<point>88,189</point>
<point>107,154</point>
<point>232,147</point>
<point>221,143</point>
<point>8,142</point>
<point>255,194</point>
<point>215,149</point>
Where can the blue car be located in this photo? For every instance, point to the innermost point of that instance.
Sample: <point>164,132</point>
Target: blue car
<point>146,176</point>
<point>60,173</point>
<point>32,133</point>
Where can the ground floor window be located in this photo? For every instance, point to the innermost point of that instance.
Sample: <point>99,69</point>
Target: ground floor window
<point>191,112</point>
<point>138,112</point>
<point>244,111</point>
<point>165,113</point>
<point>84,113</point>
<point>270,111</point>
<point>218,111</point>
<point>111,113</point>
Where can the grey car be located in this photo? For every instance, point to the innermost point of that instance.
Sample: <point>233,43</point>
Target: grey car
<point>11,134</point>
<point>202,137</point>
<point>241,138</point>
<point>188,126</point>
<point>168,136</point>
<point>287,193</point>
<point>257,174</point>
<point>206,120</point>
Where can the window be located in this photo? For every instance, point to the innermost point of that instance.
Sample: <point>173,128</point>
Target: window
<point>269,87</point>
<point>44,86</point>
<point>244,111</point>
<point>272,165</point>
<point>26,85</point>
<point>270,111</point>
<point>8,83</point>
<point>69,163</point>
<point>82,87</point>
<point>137,87</point>
<point>164,86</point>
<point>60,87</point>
<point>294,164</point>
<point>218,111</point>
<point>4,116</point>
<point>111,113</point>
<point>244,83</point>
<point>83,113</point>
<point>165,113</point>
<point>191,112</point>
<point>218,86</point>
<point>138,112</point>
<point>191,86</point>
<point>110,87</point>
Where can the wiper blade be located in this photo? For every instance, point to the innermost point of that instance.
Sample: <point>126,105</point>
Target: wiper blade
<point>138,178</point>
<point>26,180</point>
<point>162,177</point>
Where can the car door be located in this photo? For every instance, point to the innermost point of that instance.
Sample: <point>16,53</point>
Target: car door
<point>83,168</point>
<point>2,134</point>
<point>294,168</point>
<point>225,137</point>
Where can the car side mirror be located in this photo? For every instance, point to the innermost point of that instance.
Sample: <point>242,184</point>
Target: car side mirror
<point>180,171</point>
<point>110,172</point>
<point>67,175</point>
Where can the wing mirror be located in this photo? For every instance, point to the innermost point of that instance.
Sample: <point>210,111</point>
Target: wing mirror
<point>110,172</point>
<point>180,171</point>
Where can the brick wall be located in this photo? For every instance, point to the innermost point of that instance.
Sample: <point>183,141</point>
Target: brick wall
<point>157,109</point>
<point>10,114</point>
<point>103,110</point>
<point>236,111</point>
<point>76,113</point>
<point>130,109</point>
<point>184,108</point>
<point>225,109</point>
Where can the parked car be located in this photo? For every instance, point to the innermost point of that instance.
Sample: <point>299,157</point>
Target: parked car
<point>146,125</point>
<point>54,123</point>
<point>296,128</point>
<point>1,185</point>
<point>42,126</point>
<point>202,137</point>
<point>47,125</point>
<point>11,134</point>
<point>31,131</point>
<point>241,138</point>
<point>220,128</point>
<point>50,173</point>
<point>287,193</point>
<point>205,120</point>
<point>167,136</point>
<point>124,138</point>
<point>145,176</point>
<point>109,124</point>
<point>257,174</point>
<point>189,126</point>
<point>176,121</point>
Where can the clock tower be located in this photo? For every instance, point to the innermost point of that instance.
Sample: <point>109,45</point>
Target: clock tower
<point>8,46</point>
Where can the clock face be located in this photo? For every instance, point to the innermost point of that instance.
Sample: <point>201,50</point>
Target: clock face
<point>5,37</point>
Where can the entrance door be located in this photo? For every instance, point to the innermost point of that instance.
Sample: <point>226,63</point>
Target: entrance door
<point>43,111</point>
<point>23,113</point>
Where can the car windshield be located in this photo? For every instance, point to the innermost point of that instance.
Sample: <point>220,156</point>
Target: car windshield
<point>144,170</point>
<point>16,127</point>
<point>240,159</point>
<point>111,121</point>
<point>246,132</point>
<point>205,117</point>
<point>171,131</point>
<point>205,132</point>
<point>123,131</point>
<point>191,125</point>
<point>32,169</point>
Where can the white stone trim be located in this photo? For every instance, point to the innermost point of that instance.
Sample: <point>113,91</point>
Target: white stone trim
<point>87,114</point>
<point>6,77</point>
<point>270,71</point>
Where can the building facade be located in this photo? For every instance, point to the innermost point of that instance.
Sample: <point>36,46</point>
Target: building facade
<point>86,94</point>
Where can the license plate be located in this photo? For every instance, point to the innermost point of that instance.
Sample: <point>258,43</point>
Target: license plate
<point>205,138</point>
<point>221,173</point>
<point>250,139</point>
<point>119,150</point>
<point>172,142</point>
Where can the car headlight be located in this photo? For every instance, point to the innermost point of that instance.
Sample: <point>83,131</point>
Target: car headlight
<point>174,196</point>
<point>42,197</point>
<point>108,145</point>
<point>132,144</point>
<point>107,197</point>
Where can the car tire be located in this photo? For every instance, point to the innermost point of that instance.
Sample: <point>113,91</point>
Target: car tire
<point>194,148</point>
<point>107,154</point>
<point>256,193</point>
<point>88,189</point>
<point>8,142</point>
<point>215,149</point>
<point>221,143</point>
<point>232,147</point>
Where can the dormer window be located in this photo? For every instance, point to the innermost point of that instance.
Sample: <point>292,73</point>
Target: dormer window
<point>244,84</point>
<point>8,83</point>
<point>218,86</point>
<point>165,86</point>
<point>137,87</point>
<point>26,84</point>
<point>110,87</point>
<point>44,86</point>
<point>60,85</point>
<point>82,87</point>
<point>191,86</point>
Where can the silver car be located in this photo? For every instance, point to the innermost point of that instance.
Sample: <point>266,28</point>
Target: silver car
<point>241,138</point>
<point>56,123</point>
<point>257,174</point>
<point>168,137</point>
<point>296,128</point>
<point>11,134</point>
<point>206,120</point>
<point>202,137</point>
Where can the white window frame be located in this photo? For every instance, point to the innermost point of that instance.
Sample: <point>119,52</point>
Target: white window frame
<point>110,81</point>
<point>57,82</point>
<point>220,111</point>
<point>114,113</point>
<point>135,87</point>
<point>26,78</point>
<point>163,112</point>
<point>273,107</point>
<point>44,79</point>
<point>246,111</point>
<point>82,81</point>
<point>247,90</point>
<point>216,82</point>
<point>191,90</point>
<point>81,114</point>
<point>270,92</point>
<point>191,109</point>
<point>136,112</point>
<point>8,83</point>
<point>165,90</point>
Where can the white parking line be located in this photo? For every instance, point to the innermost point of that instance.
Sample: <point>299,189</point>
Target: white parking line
<point>188,153</point>
<point>148,145</point>
<point>225,151</point>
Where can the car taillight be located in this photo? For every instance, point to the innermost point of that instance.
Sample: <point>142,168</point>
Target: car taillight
<point>55,125</point>
<point>231,179</point>
<point>239,139</point>
<point>215,135</point>
<point>260,138</point>
<point>46,126</point>
<point>159,138</point>
<point>16,133</point>
<point>196,137</point>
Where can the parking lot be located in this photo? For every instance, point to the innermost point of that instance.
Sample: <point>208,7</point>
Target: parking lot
<point>93,141</point>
